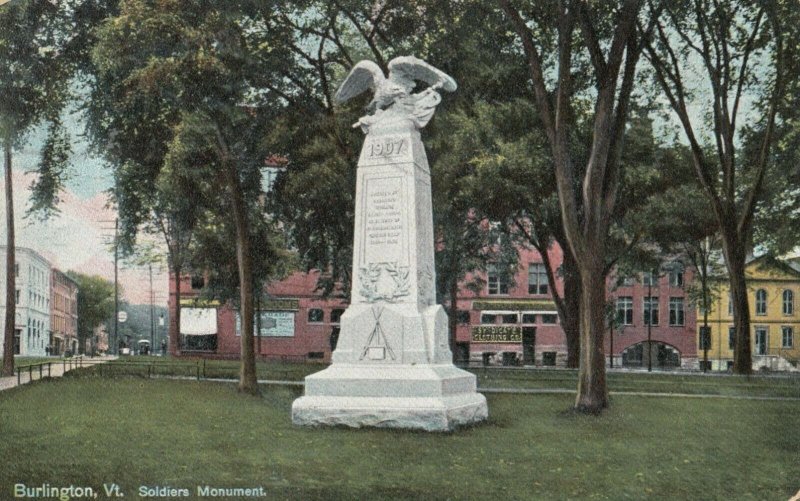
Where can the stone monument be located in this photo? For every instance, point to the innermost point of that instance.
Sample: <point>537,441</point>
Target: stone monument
<point>392,366</point>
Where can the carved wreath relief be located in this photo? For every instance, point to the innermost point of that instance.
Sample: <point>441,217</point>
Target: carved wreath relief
<point>384,282</point>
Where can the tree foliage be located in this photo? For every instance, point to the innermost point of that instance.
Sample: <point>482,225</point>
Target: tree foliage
<point>743,50</point>
<point>95,303</point>
<point>184,95</point>
<point>33,74</point>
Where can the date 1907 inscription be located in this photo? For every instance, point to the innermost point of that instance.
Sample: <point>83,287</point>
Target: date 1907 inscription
<point>387,148</point>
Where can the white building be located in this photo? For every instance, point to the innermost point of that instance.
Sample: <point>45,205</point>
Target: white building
<point>32,326</point>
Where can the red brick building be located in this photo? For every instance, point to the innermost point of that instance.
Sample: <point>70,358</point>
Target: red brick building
<point>63,313</point>
<point>295,322</point>
<point>513,320</point>
<point>673,330</point>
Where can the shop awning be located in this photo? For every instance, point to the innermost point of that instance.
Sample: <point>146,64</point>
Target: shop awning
<point>198,321</point>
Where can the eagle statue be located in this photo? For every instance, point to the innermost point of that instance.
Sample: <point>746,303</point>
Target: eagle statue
<point>393,100</point>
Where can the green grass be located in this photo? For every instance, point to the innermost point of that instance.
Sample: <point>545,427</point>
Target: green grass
<point>90,431</point>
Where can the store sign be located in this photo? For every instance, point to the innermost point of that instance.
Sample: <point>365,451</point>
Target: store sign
<point>514,305</point>
<point>200,303</point>
<point>273,324</point>
<point>280,304</point>
<point>497,334</point>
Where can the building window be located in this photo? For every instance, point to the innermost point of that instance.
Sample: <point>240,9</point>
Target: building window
<point>462,317</point>
<point>650,310</point>
<point>649,279</point>
<point>625,310</point>
<point>787,335</point>
<point>761,302</point>
<point>16,296</point>
<point>537,279</point>
<point>336,315</point>
<point>316,315</point>
<point>16,270</point>
<point>676,316</point>
<point>548,319</point>
<point>509,318</point>
<point>198,281</point>
<point>497,281</point>
<point>676,278</point>
<point>528,318</point>
<point>788,302</point>
<point>704,339</point>
<point>488,318</point>
<point>731,338</point>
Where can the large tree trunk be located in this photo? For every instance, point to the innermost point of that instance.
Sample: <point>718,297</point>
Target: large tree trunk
<point>11,287</point>
<point>571,319</point>
<point>592,392</point>
<point>735,262</point>
<point>248,382</point>
<point>175,321</point>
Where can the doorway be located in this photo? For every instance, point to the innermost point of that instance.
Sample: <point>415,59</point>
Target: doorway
<point>528,345</point>
<point>761,340</point>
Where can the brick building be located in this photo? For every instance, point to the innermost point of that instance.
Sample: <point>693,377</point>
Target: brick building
<point>662,297</point>
<point>512,320</point>
<point>63,313</point>
<point>294,321</point>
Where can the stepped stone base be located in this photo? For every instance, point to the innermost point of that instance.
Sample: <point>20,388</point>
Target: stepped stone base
<point>418,397</point>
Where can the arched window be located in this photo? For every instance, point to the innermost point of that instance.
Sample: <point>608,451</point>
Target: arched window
<point>788,302</point>
<point>761,302</point>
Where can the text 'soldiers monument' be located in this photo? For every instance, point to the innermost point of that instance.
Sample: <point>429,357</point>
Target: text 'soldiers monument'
<point>392,366</point>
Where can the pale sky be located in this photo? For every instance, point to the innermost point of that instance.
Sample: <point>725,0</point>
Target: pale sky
<point>76,239</point>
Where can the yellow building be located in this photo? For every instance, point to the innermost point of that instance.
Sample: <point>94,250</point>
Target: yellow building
<point>773,288</point>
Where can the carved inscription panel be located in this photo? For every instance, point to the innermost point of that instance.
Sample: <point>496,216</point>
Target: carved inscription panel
<point>384,225</point>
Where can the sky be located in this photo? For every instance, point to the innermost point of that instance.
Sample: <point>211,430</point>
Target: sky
<point>79,237</point>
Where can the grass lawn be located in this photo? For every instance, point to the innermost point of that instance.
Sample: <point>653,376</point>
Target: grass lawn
<point>134,432</point>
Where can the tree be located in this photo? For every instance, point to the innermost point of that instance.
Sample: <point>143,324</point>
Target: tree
<point>194,92</point>
<point>506,173</point>
<point>95,303</point>
<point>329,39</point>
<point>601,25</point>
<point>32,84</point>
<point>733,41</point>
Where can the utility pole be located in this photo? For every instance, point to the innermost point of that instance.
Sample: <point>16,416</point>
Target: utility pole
<point>116,285</point>
<point>152,312</point>
<point>649,322</point>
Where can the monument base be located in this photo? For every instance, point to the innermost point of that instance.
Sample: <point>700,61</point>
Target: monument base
<point>416,397</point>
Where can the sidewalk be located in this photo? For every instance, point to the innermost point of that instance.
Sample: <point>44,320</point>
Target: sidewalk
<point>57,369</point>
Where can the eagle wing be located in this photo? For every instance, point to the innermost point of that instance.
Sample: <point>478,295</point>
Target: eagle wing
<point>364,75</point>
<point>412,68</point>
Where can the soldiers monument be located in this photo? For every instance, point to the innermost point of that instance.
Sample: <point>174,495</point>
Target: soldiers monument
<point>392,366</point>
